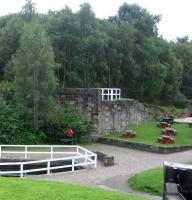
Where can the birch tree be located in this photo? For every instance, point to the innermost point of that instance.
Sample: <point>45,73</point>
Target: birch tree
<point>34,74</point>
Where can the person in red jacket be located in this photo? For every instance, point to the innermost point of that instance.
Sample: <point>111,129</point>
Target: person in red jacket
<point>69,132</point>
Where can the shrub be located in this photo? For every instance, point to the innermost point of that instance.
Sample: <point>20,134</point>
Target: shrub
<point>55,129</point>
<point>162,111</point>
<point>14,130</point>
<point>7,90</point>
<point>181,101</point>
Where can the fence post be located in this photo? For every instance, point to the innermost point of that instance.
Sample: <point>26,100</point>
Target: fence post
<point>95,165</point>
<point>0,151</point>
<point>25,151</point>
<point>77,151</point>
<point>21,170</point>
<point>48,167</point>
<point>73,164</point>
<point>86,157</point>
<point>51,152</point>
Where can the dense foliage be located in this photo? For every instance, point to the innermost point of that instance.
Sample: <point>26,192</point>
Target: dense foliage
<point>13,128</point>
<point>41,52</point>
<point>55,128</point>
<point>34,75</point>
<point>28,106</point>
<point>123,51</point>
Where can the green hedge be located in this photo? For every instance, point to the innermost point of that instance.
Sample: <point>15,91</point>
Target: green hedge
<point>55,129</point>
<point>14,130</point>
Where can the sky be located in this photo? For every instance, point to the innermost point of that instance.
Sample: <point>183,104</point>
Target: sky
<point>176,14</point>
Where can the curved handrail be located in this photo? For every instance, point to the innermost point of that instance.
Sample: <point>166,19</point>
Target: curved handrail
<point>81,157</point>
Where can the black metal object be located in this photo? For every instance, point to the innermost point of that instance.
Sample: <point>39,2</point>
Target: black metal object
<point>180,176</point>
<point>185,183</point>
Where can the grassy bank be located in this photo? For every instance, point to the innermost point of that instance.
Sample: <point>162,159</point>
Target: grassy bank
<point>17,189</point>
<point>150,181</point>
<point>148,133</point>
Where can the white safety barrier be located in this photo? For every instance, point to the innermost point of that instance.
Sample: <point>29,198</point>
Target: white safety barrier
<point>110,94</point>
<point>79,156</point>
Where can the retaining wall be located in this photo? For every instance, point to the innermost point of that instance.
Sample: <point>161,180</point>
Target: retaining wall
<point>106,116</point>
<point>143,147</point>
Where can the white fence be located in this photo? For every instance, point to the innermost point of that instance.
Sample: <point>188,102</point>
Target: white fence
<point>110,94</point>
<point>79,156</point>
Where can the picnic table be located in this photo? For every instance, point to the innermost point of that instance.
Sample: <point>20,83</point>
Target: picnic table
<point>129,134</point>
<point>164,125</point>
<point>168,131</point>
<point>165,139</point>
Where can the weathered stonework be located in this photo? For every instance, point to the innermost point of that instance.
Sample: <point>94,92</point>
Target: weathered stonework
<point>143,147</point>
<point>106,116</point>
<point>120,114</point>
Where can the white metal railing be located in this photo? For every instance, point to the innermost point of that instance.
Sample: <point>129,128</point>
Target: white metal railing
<point>80,157</point>
<point>110,94</point>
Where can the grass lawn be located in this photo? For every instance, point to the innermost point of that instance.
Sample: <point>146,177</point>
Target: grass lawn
<point>148,133</point>
<point>150,181</point>
<point>17,189</point>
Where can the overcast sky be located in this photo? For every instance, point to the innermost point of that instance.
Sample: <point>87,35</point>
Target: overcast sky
<point>176,14</point>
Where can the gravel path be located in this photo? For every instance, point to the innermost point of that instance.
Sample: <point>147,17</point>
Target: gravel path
<point>127,163</point>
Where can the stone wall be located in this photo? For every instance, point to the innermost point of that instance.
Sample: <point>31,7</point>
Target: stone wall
<point>106,116</point>
<point>86,101</point>
<point>143,147</point>
<point>118,115</point>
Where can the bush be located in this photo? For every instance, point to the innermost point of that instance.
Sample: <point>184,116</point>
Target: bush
<point>7,90</point>
<point>181,101</point>
<point>55,129</point>
<point>162,111</point>
<point>13,129</point>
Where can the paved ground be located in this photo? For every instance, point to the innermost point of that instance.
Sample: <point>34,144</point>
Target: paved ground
<point>184,120</point>
<point>127,163</point>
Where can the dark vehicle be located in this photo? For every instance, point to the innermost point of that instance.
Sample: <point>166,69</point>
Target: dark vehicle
<point>177,181</point>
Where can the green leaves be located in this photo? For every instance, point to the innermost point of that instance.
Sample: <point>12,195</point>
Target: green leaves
<point>13,129</point>
<point>34,74</point>
<point>55,128</point>
<point>123,51</point>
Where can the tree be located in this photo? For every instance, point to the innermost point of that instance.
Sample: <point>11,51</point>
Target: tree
<point>174,69</point>
<point>10,31</point>
<point>28,11</point>
<point>64,33</point>
<point>183,39</point>
<point>142,20</point>
<point>124,51</point>
<point>34,74</point>
<point>183,51</point>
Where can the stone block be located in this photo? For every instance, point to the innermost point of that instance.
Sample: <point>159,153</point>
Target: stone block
<point>108,161</point>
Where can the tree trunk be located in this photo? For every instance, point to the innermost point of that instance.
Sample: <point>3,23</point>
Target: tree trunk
<point>35,98</point>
